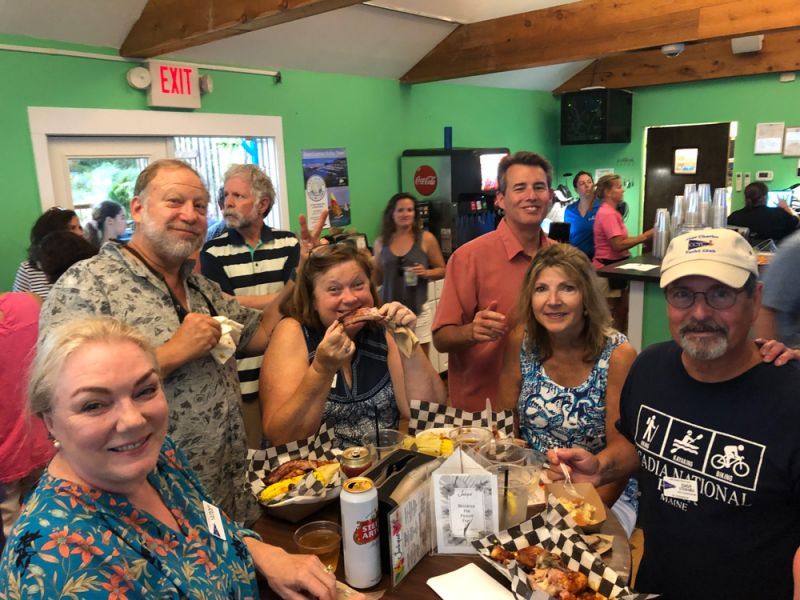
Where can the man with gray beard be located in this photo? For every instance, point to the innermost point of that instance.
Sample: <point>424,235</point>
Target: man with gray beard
<point>149,283</point>
<point>711,428</point>
<point>253,262</point>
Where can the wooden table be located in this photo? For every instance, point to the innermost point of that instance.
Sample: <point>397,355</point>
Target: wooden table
<point>414,584</point>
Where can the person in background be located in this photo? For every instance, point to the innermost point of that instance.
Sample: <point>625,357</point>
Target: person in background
<point>108,223</point>
<point>612,244</point>
<point>148,283</point>
<point>252,262</point>
<point>24,446</point>
<point>484,278</point>
<point>710,428</point>
<point>581,214</point>
<point>406,259</point>
<point>217,229</point>
<point>59,250</point>
<point>764,222</point>
<point>323,368</point>
<point>30,278</point>
<point>564,365</point>
<point>780,311</point>
<point>119,512</point>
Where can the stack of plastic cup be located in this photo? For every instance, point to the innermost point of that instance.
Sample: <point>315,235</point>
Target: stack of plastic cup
<point>693,218</point>
<point>718,214</point>
<point>704,193</point>
<point>678,215</point>
<point>661,233</point>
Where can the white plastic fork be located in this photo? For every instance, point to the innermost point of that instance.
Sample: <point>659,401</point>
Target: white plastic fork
<point>568,481</point>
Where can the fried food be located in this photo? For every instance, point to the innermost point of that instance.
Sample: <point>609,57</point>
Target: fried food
<point>546,572</point>
<point>286,477</point>
<point>581,511</point>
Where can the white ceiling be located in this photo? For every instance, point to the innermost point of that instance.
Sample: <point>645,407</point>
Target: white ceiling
<point>383,39</point>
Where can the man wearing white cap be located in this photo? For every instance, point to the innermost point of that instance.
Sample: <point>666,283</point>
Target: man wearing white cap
<point>713,432</point>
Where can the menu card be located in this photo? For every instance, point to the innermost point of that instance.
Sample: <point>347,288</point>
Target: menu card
<point>465,504</point>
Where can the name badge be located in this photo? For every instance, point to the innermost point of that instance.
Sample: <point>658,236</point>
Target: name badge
<point>681,489</point>
<point>214,520</point>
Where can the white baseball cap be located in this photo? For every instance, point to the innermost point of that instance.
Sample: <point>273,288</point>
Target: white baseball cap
<point>720,254</point>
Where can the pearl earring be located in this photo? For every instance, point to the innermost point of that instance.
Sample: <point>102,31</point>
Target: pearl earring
<point>56,444</point>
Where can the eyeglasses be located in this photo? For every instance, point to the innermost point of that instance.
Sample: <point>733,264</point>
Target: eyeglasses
<point>719,297</point>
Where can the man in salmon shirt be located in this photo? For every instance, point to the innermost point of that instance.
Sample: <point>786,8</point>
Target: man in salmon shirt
<point>483,281</point>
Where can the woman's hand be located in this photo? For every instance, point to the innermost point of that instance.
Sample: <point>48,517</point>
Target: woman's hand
<point>776,352</point>
<point>292,576</point>
<point>334,349</point>
<point>401,315</point>
<point>419,270</point>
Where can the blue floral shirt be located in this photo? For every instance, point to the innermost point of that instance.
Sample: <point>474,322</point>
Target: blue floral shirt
<point>554,416</point>
<point>78,542</point>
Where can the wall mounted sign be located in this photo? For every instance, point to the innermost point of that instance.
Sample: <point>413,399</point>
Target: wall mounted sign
<point>173,85</point>
<point>685,161</point>
<point>791,142</point>
<point>769,138</point>
<point>327,185</point>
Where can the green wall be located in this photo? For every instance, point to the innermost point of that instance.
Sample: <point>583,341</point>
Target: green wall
<point>374,119</point>
<point>747,100</point>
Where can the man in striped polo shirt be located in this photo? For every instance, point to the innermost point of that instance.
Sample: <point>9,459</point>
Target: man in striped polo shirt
<point>252,262</point>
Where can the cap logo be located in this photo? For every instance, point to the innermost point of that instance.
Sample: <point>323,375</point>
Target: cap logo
<point>694,244</point>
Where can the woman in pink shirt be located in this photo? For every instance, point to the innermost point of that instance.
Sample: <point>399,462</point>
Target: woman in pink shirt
<point>612,243</point>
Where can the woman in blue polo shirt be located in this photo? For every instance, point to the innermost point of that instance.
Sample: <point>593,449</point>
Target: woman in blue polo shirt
<point>580,215</point>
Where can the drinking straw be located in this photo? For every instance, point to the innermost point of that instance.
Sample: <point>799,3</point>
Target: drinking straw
<point>377,434</point>
<point>505,491</point>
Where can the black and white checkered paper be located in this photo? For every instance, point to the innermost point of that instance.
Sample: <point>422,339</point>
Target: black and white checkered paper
<point>429,415</point>
<point>320,446</point>
<point>557,532</point>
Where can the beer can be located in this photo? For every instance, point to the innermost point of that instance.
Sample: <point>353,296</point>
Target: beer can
<point>362,553</point>
<point>355,460</point>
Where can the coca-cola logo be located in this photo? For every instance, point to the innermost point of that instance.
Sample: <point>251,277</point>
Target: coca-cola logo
<point>425,180</point>
<point>366,531</point>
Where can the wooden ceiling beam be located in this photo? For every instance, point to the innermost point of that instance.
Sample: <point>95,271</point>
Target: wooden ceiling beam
<point>710,60</point>
<point>170,25</point>
<point>594,28</point>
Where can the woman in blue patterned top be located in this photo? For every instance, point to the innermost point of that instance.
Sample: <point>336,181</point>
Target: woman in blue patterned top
<point>564,366</point>
<point>119,514</point>
<point>319,367</point>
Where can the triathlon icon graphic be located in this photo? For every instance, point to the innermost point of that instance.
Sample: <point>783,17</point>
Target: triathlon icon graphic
<point>731,459</point>
<point>686,443</point>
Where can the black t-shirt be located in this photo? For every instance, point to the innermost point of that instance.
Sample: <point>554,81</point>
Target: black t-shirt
<point>764,222</point>
<point>739,441</point>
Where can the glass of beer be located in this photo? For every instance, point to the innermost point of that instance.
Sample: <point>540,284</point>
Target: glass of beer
<point>322,538</point>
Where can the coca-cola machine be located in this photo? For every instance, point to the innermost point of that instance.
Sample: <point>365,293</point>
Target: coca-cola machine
<point>459,184</point>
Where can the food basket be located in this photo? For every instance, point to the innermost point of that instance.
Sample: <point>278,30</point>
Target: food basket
<point>555,531</point>
<point>309,495</point>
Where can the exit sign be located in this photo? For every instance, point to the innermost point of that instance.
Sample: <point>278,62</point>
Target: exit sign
<point>173,85</point>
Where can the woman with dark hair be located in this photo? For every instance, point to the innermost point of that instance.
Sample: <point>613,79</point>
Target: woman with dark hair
<point>59,250</point>
<point>30,277</point>
<point>328,364</point>
<point>581,214</point>
<point>108,223</point>
<point>564,365</point>
<point>406,258</point>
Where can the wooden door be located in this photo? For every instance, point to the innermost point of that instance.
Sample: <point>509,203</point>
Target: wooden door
<point>661,184</point>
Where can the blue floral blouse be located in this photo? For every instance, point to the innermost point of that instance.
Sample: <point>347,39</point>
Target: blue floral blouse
<point>554,416</point>
<point>77,542</point>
